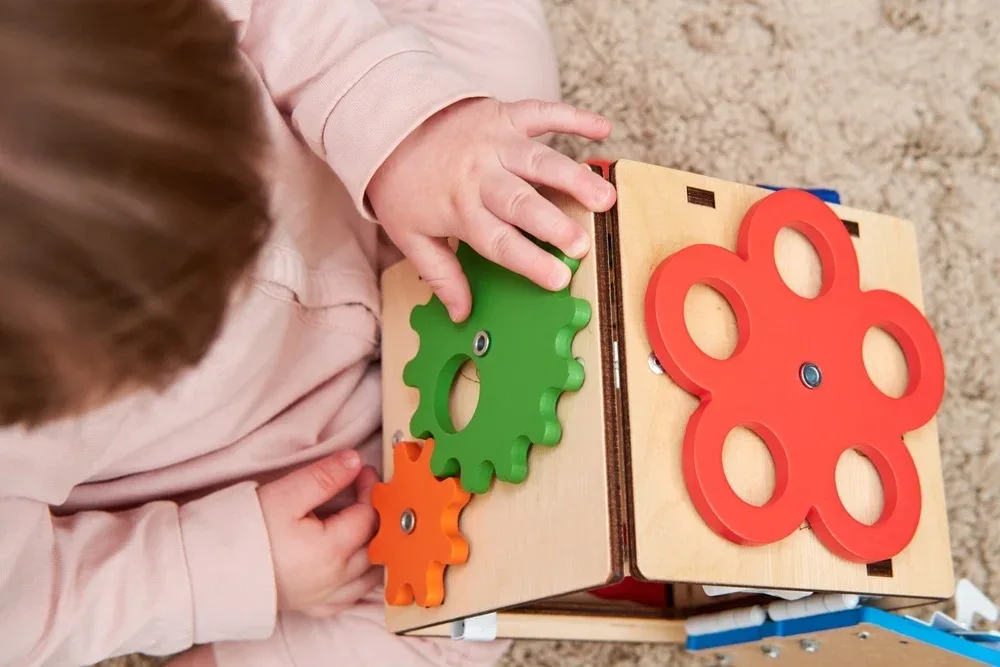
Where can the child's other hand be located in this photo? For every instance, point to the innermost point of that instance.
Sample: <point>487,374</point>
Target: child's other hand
<point>467,173</point>
<point>321,565</point>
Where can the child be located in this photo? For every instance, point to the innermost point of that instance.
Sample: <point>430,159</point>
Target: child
<point>191,203</point>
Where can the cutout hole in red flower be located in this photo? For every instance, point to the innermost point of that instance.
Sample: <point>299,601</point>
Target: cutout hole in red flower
<point>710,321</point>
<point>798,263</point>
<point>749,466</point>
<point>885,363</point>
<point>859,487</point>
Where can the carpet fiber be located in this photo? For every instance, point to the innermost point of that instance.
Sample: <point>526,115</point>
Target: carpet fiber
<point>896,103</point>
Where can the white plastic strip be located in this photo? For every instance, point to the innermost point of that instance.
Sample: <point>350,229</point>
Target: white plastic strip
<point>971,602</point>
<point>782,610</point>
<point>475,629</point>
<point>715,591</point>
<point>734,619</point>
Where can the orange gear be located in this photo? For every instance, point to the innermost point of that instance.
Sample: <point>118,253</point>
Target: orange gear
<point>418,532</point>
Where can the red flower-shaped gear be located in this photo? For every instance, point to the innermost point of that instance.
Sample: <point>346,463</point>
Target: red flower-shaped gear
<point>797,379</point>
<point>418,533</point>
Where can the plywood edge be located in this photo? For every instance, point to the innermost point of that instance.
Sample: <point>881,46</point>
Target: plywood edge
<point>568,627</point>
<point>615,315</point>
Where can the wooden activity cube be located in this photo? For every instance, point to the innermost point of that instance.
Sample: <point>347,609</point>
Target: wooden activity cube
<point>610,503</point>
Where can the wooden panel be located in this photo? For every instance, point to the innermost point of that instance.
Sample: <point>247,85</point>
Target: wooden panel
<point>672,543</point>
<point>843,646</point>
<point>567,627</point>
<point>549,535</point>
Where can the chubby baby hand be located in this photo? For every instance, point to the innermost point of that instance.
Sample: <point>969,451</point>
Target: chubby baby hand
<point>467,172</point>
<point>321,565</point>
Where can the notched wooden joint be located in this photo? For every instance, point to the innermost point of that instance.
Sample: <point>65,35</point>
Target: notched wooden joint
<point>701,197</point>
<point>852,227</point>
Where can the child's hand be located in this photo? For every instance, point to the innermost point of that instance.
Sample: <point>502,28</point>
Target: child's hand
<point>321,566</point>
<point>466,173</point>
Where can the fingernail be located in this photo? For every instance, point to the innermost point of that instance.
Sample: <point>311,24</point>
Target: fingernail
<point>580,246</point>
<point>560,278</point>
<point>350,460</point>
<point>607,196</point>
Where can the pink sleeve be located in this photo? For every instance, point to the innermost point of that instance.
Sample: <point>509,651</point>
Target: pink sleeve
<point>353,85</point>
<point>78,589</point>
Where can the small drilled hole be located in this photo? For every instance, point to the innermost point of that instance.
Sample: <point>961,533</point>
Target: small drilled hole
<point>852,228</point>
<point>883,568</point>
<point>701,197</point>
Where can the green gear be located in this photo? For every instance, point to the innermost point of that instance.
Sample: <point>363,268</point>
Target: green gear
<point>524,363</point>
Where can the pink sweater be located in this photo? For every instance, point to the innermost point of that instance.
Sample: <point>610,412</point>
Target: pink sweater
<point>138,528</point>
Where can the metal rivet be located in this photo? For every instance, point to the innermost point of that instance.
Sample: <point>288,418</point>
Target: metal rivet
<point>811,375</point>
<point>481,343</point>
<point>864,635</point>
<point>408,521</point>
<point>770,651</point>
<point>654,364</point>
<point>723,660</point>
<point>397,437</point>
<point>809,645</point>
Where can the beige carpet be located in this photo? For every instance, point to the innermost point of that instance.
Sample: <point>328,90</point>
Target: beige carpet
<point>896,103</point>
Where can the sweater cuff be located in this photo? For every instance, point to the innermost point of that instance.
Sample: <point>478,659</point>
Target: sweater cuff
<point>229,564</point>
<point>394,98</point>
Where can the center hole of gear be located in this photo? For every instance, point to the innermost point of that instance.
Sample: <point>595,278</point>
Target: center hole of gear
<point>463,395</point>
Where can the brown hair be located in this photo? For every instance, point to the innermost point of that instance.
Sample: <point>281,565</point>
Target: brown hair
<point>131,197</point>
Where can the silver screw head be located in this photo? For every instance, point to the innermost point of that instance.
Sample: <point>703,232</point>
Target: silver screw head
<point>770,651</point>
<point>397,437</point>
<point>810,375</point>
<point>654,364</point>
<point>723,660</point>
<point>809,645</point>
<point>480,343</point>
<point>408,521</point>
<point>864,634</point>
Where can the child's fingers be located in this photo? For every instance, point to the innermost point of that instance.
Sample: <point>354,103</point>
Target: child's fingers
<point>511,199</point>
<point>365,483</point>
<point>439,268</point>
<point>300,492</point>
<point>351,528</point>
<point>503,244</point>
<point>535,118</point>
<point>348,595</point>
<point>358,587</point>
<point>356,565</point>
<point>539,164</point>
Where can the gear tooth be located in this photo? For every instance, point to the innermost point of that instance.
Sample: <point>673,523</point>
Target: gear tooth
<point>517,467</point>
<point>430,591</point>
<point>582,312</point>
<point>477,478</point>
<point>574,376</point>
<point>421,423</point>
<point>443,465</point>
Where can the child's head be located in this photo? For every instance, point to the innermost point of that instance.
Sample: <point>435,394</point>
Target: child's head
<point>131,196</point>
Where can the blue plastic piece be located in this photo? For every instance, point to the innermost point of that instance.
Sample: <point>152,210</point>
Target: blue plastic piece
<point>809,625</point>
<point>827,195</point>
